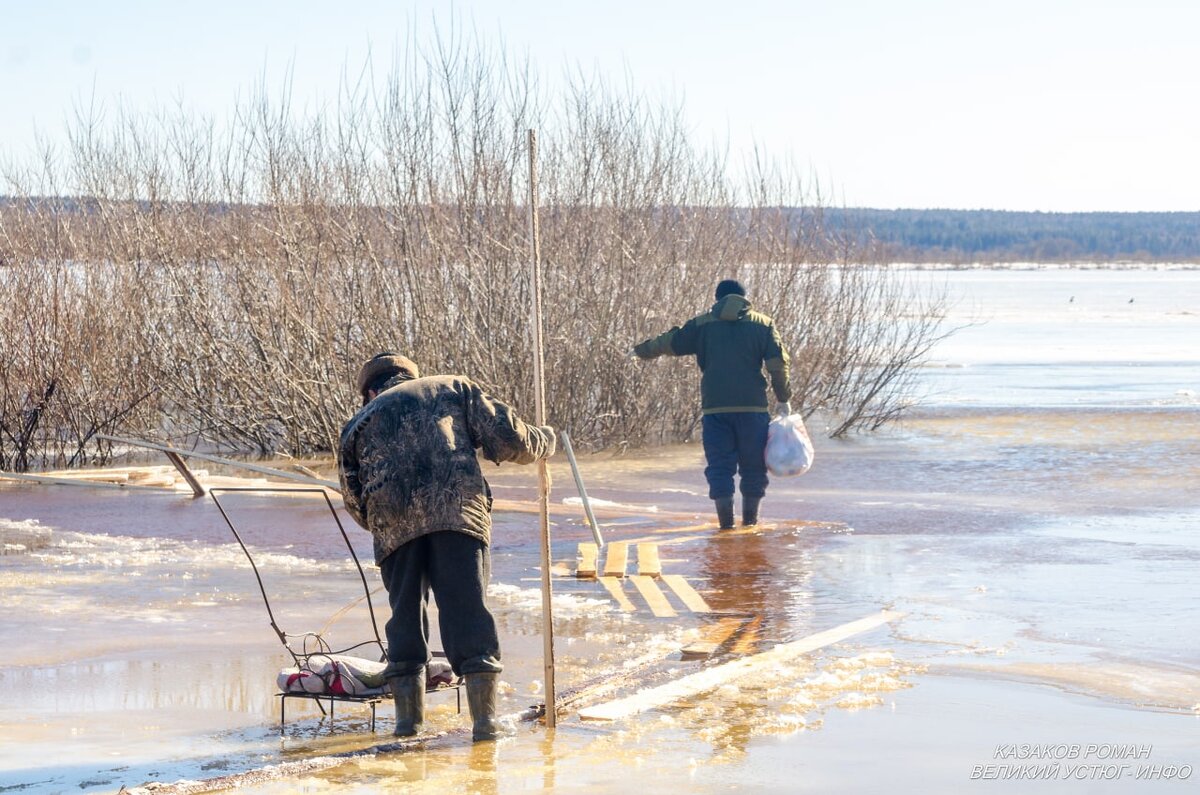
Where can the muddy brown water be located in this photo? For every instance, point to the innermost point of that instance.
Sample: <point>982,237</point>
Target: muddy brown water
<point>1043,569</point>
<point>1037,524</point>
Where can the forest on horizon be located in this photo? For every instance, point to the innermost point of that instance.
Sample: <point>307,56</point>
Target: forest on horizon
<point>1000,236</point>
<point>960,236</point>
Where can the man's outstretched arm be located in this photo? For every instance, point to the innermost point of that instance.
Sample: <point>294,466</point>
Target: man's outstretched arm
<point>676,342</point>
<point>656,346</point>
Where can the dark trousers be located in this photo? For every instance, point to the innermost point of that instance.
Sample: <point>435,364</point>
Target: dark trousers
<point>456,567</point>
<point>736,443</point>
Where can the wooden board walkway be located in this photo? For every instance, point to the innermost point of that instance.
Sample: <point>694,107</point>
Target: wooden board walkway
<point>587,560</point>
<point>649,571</point>
<point>617,559</point>
<point>712,678</point>
<point>649,564</point>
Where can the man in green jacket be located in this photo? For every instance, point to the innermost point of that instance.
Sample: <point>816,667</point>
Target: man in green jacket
<point>410,475</point>
<point>732,344</point>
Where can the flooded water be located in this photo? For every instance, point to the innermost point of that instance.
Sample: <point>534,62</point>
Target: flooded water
<point>1036,522</point>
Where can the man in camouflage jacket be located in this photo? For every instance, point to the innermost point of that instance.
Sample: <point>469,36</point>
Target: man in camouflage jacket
<point>410,475</point>
<point>732,344</point>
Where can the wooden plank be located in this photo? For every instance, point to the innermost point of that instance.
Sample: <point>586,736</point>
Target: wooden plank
<point>712,638</point>
<point>587,560</point>
<point>152,473</point>
<point>86,474</point>
<point>686,593</point>
<point>648,563</point>
<point>654,597</point>
<point>278,473</point>
<point>192,480</point>
<point>712,678</point>
<point>103,484</point>
<point>303,470</point>
<point>613,586</point>
<point>132,471</point>
<point>617,559</point>
<point>160,482</point>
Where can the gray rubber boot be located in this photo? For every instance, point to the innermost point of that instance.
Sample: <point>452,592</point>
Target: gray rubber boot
<point>409,694</point>
<point>725,512</point>
<point>750,510</point>
<point>481,699</point>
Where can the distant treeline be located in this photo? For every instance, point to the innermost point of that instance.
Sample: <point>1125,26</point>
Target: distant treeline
<point>1003,236</point>
<point>919,236</point>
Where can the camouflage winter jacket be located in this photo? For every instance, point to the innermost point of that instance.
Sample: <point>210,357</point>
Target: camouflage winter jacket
<point>731,344</point>
<point>407,460</point>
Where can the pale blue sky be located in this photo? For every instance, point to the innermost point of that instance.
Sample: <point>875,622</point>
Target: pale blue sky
<point>1021,104</point>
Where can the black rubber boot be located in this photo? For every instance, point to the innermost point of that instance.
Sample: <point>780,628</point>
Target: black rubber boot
<point>725,512</point>
<point>409,694</point>
<point>481,699</point>
<point>750,510</point>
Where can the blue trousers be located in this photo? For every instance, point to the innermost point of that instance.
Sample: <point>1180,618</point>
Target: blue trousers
<point>735,443</point>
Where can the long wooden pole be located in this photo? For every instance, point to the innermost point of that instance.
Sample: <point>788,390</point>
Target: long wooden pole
<point>539,397</point>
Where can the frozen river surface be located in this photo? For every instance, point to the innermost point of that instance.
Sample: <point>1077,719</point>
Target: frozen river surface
<point>1036,522</point>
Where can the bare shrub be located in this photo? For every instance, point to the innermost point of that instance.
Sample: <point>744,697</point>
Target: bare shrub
<point>71,358</point>
<point>225,281</point>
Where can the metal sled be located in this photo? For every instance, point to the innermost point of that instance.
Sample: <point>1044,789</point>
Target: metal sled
<point>311,643</point>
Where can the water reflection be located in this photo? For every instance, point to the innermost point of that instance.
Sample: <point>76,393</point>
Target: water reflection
<point>763,574</point>
<point>483,759</point>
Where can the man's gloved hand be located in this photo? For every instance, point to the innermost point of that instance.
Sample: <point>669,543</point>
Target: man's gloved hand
<point>641,350</point>
<point>551,439</point>
<point>783,409</point>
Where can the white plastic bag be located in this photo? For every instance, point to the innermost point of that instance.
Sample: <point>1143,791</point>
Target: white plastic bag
<point>789,450</point>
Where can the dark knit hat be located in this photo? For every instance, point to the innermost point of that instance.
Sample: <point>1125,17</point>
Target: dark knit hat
<point>385,364</point>
<point>730,286</point>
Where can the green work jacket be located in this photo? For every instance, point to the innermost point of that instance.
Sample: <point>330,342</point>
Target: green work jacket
<point>732,344</point>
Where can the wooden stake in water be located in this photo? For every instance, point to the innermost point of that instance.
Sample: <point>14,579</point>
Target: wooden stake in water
<point>539,396</point>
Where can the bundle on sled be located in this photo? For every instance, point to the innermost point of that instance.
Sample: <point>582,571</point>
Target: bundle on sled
<point>342,675</point>
<point>321,673</point>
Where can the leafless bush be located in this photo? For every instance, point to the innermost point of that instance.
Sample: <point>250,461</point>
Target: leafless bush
<point>225,281</point>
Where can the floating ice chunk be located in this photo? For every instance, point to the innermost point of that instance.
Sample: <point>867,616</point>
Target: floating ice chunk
<point>597,503</point>
<point>21,537</point>
<point>858,701</point>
